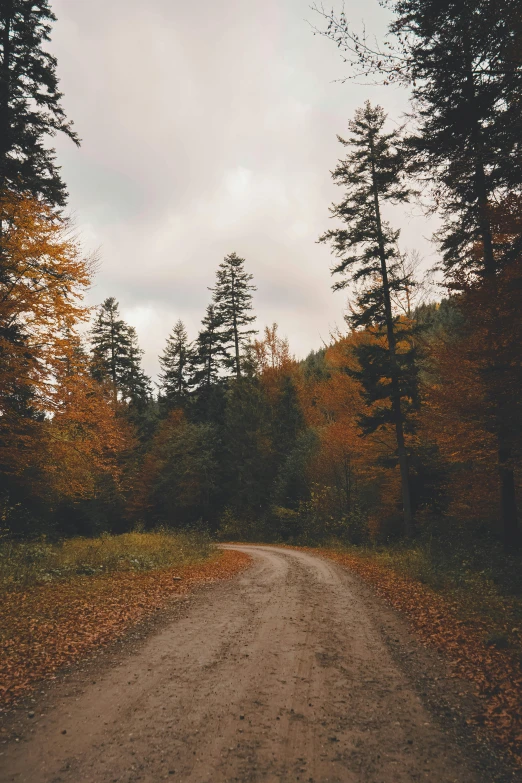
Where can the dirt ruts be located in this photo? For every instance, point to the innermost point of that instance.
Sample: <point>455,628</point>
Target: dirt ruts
<point>282,674</point>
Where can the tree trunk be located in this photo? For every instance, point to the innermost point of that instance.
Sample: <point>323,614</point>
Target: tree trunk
<point>506,475</point>
<point>180,371</point>
<point>396,392</point>
<point>113,363</point>
<point>236,335</point>
<point>209,363</point>
<point>481,188</point>
<point>5,130</point>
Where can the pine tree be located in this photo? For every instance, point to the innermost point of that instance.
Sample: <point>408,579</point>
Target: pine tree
<point>30,102</point>
<point>183,473</point>
<point>232,299</point>
<point>461,59</point>
<point>248,457</point>
<point>367,251</point>
<point>135,385</point>
<point>287,421</point>
<point>467,75</point>
<point>117,356</point>
<point>466,71</point>
<point>208,354</point>
<point>110,343</point>
<point>175,364</point>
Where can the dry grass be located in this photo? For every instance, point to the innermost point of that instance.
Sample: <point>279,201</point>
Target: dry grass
<point>23,564</point>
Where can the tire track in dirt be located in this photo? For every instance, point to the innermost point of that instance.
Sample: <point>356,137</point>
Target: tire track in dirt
<point>278,675</point>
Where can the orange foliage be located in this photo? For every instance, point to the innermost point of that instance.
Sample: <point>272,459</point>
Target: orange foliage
<point>57,428</point>
<point>52,625</point>
<point>85,437</point>
<point>346,460</point>
<point>44,278</point>
<point>273,360</point>
<point>474,388</point>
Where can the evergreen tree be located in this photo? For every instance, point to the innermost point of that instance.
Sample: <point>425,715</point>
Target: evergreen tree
<point>208,354</point>
<point>288,421</point>
<point>117,356</point>
<point>30,102</point>
<point>185,487</point>
<point>466,70</point>
<point>367,251</point>
<point>110,343</point>
<point>175,364</point>
<point>467,75</point>
<point>462,60</point>
<point>232,299</point>
<point>135,385</point>
<point>248,456</point>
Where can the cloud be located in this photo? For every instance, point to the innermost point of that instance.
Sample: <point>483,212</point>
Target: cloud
<point>208,128</point>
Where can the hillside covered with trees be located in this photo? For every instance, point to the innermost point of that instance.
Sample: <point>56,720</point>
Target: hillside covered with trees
<point>407,425</point>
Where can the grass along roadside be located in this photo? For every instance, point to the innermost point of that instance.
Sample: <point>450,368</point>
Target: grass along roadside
<point>54,622</point>
<point>26,563</point>
<point>471,627</point>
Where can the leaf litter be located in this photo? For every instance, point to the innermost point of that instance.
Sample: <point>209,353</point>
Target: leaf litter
<point>48,626</point>
<point>467,644</point>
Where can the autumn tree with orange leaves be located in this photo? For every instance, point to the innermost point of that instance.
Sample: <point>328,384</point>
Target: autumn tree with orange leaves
<point>473,405</point>
<point>56,428</point>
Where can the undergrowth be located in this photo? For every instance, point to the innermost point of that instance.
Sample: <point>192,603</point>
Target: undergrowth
<point>477,577</point>
<point>23,564</point>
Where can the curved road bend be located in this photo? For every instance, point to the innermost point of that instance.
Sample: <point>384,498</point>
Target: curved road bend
<point>277,675</point>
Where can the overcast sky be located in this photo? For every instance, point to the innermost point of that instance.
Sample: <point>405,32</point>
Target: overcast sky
<point>208,128</point>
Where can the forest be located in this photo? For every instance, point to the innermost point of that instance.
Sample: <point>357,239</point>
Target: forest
<point>389,456</point>
<point>405,427</point>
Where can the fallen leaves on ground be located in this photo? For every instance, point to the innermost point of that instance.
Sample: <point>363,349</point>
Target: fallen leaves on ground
<point>50,625</point>
<point>496,673</point>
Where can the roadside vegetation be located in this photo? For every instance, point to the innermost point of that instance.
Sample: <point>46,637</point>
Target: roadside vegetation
<point>60,603</point>
<point>480,584</point>
<point>471,612</point>
<point>27,563</point>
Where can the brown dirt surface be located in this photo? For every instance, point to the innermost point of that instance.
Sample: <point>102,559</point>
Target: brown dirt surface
<point>50,625</point>
<point>495,673</point>
<point>292,671</point>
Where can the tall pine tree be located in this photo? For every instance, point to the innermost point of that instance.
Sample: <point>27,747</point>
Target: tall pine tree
<point>117,356</point>
<point>208,354</point>
<point>206,370</point>
<point>232,297</point>
<point>467,86</point>
<point>366,247</point>
<point>30,102</point>
<point>175,363</point>
<point>466,71</point>
<point>135,384</point>
<point>461,58</point>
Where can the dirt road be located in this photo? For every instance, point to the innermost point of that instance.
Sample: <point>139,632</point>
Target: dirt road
<point>278,675</point>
